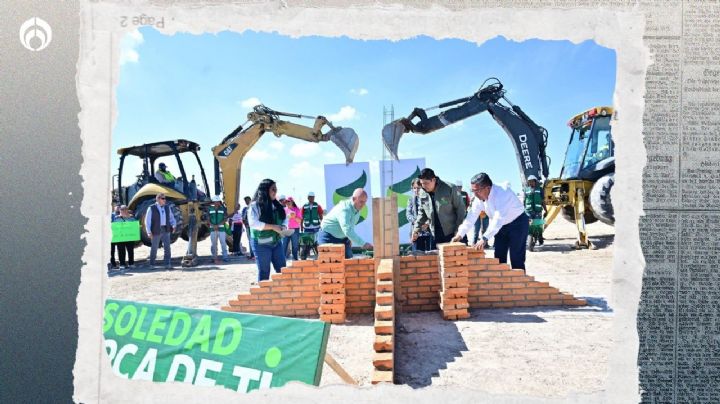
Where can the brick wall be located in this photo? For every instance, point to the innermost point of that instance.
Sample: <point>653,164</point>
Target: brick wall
<point>419,283</point>
<point>360,285</point>
<point>294,292</point>
<point>297,291</point>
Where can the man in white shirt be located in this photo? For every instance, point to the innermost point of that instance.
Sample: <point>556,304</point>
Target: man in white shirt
<point>508,222</point>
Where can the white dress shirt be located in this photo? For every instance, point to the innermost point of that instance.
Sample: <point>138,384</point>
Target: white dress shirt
<point>502,207</point>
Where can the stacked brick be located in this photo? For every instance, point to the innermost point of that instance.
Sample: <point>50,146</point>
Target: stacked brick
<point>359,286</point>
<point>294,292</point>
<point>331,276</point>
<point>384,345</point>
<point>495,285</point>
<point>454,284</point>
<point>420,282</point>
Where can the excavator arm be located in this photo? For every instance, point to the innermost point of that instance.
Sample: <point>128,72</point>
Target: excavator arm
<point>231,151</point>
<point>528,138</point>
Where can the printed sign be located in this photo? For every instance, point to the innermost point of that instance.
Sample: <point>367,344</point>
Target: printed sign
<point>396,178</point>
<point>238,351</point>
<point>125,231</point>
<point>340,182</point>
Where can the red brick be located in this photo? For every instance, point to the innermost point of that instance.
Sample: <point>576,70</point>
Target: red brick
<point>499,292</point>
<point>524,291</point>
<point>384,312</point>
<point>383,343</point>
<point>489,298</point>
<point>384,286</point>
<point>574,302</point>
<point>384,327</point>
<point>333,318</point>
<point>537,297</point>
<point>383,360</point>
<point>513,285</point>
<point>503,304</point>
<point>512,298</point>
<point>291,270</point>
<point>498,267</point>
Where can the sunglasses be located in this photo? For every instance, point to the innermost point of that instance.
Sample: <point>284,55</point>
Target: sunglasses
<point>162,197</point>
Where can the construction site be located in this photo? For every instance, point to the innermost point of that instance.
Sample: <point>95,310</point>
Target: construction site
<point>455,318</point>
<point>450,315</point>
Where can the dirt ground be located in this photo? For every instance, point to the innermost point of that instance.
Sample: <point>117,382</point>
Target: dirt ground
<point>543,352</point>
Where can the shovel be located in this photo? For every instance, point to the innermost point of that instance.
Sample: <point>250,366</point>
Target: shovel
<point>347,140</point>
<point>391,134</point>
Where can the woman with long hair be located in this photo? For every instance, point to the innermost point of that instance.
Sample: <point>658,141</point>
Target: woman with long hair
<point>266,216</point>
<point>294,218</point>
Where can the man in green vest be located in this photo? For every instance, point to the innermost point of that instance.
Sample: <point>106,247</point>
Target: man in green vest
<point>163,175</point>
<point>312,215</point>
<point>218,217</point>
<point>534,207</point>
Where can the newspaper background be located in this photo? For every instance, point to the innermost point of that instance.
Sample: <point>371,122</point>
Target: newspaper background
<point>666,349</point>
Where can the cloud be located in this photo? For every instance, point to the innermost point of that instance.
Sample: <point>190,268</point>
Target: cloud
<point>250,102</point>
<point>359,91</point>
<point>277,145</point>
<point>260,155</point>
<point>331,155</point>
<point>346,113</point>
<point>304,169</point>
<point>304,149</point>
<point>128,45</point>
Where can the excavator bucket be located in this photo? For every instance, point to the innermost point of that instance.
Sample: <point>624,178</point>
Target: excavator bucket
<point>391,134</point>
<point>347,140</point>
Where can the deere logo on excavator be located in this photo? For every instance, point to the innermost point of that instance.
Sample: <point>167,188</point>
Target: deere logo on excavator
<point>525,151</point>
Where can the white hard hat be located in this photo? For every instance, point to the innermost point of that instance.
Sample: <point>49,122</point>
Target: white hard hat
<point>532,177</point>
<point>281,197</point>
<point>311,193</point>
<point>216,198</point>
<point>458,183</point>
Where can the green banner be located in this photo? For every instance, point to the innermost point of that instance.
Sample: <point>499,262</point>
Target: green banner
<point>238,351</point>
<point>125,231</point>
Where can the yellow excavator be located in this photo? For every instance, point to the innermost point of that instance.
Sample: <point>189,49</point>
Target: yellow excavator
<point>187,200</point>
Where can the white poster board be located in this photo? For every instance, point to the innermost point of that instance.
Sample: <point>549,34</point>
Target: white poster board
<point>396,178</point>
<point>340,182</point>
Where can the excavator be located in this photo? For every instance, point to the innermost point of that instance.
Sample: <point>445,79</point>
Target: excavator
<point>189,203</point>
<point>529,140</point>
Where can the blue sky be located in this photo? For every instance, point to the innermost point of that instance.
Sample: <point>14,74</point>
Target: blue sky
<point>200,87</point>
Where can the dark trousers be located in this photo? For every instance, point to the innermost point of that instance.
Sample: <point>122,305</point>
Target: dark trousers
<point>513,237</point>
<point>324,237</point>
<point>113,247</point>
<point>129,247</point>
<point>250,244</point>
<point>236,234</point>
<point>268,254</point>
<point>423,243</point>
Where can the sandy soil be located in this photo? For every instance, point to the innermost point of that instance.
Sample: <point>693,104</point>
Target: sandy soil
<point>546,352</point>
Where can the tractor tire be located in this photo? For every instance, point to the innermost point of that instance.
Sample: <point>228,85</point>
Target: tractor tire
<point>568,213</point>
<point>600,200</point>
<point>140,211</point>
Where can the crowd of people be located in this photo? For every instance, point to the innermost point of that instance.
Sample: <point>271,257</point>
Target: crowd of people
<point>438,212</point>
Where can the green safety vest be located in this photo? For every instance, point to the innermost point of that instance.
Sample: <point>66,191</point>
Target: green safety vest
<point>217,215</point>
<point>311,215</point>
<point>533,199</point>
<point>168,176</point>
<point>267,236</point>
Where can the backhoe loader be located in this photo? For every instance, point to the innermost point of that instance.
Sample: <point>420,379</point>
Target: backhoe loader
<point>188,203</point>
<point>589,159</point>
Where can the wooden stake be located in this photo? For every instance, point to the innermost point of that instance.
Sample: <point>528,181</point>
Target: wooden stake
<point>339,370</point>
